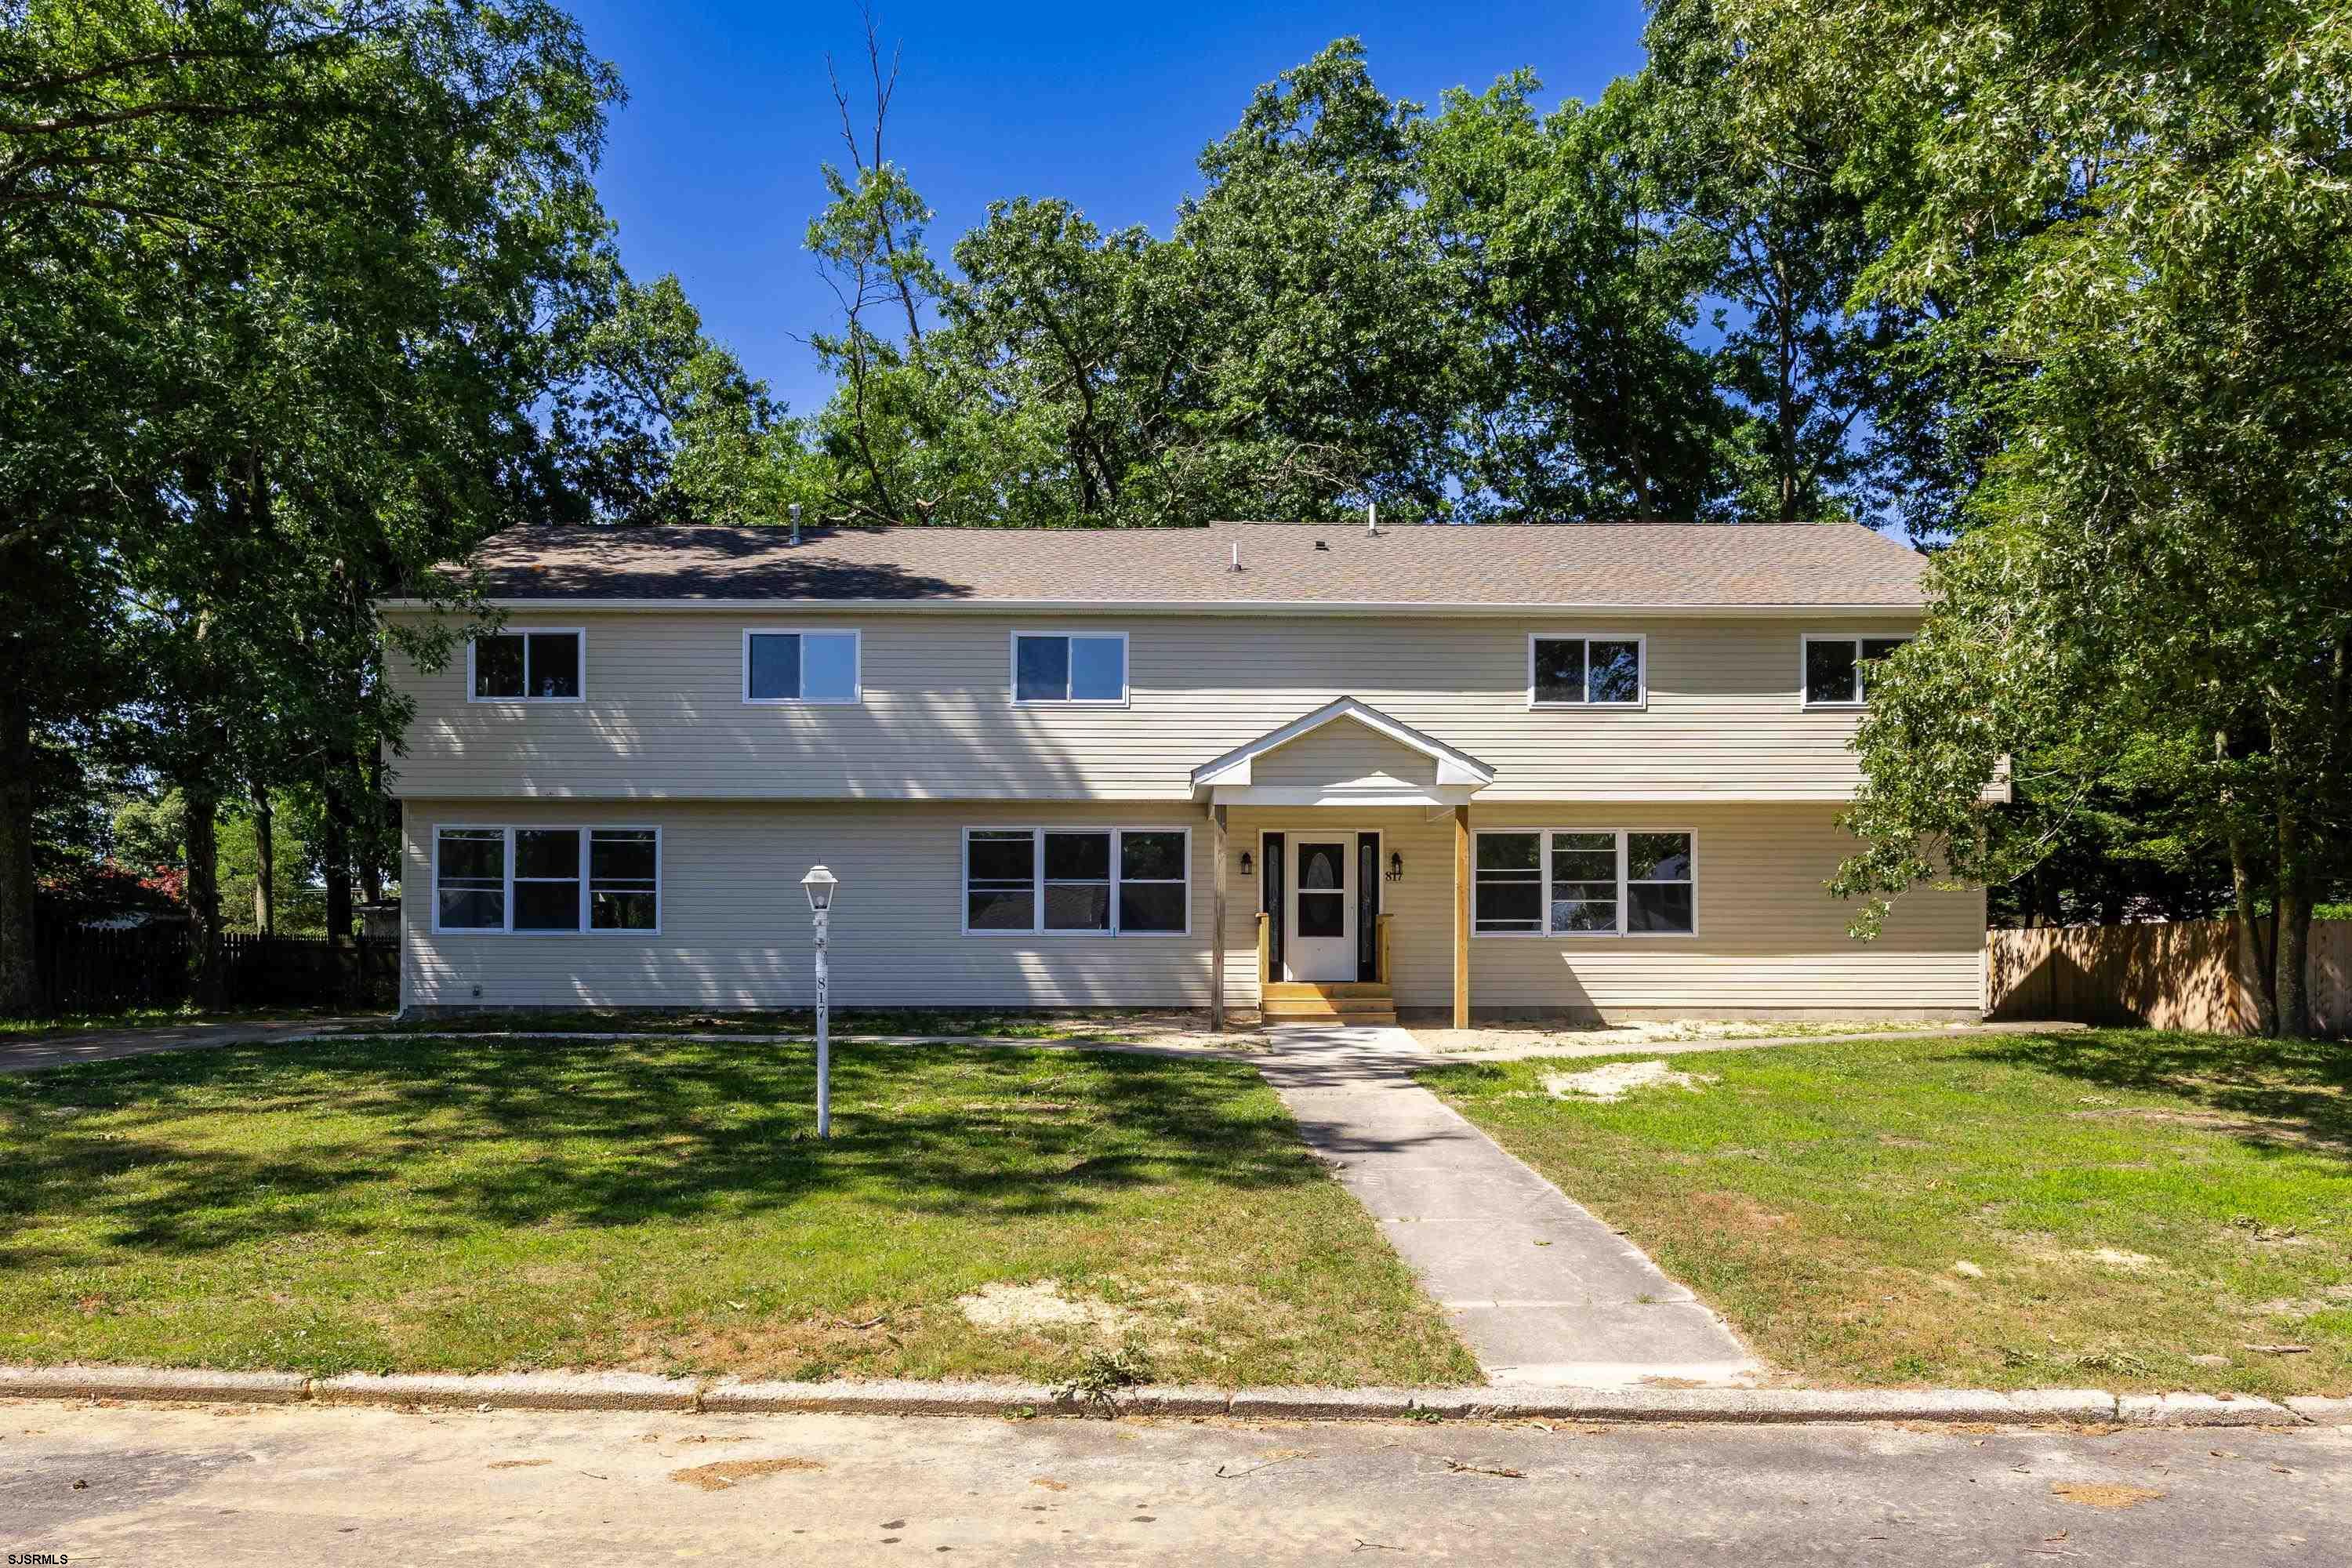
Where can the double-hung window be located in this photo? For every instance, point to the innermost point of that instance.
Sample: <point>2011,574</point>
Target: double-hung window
<point>532,665</point>
<point>1109,881</point>
<point>1593,670</point>
<point>1068,667</point>
<point>531,879</point>
<point>1836,669</point>
<point>1536,883</point>
<point>801,667</point>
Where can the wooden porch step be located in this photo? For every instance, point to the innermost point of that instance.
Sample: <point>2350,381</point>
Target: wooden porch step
<point>1326,990</point>
<point>1345,1010</point>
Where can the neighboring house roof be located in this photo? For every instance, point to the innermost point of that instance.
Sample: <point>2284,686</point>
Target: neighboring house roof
<point>1596,566</point>
<point>1454,767</point>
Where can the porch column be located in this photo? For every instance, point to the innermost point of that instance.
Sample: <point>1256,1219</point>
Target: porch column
<point>1461,916</point>
<point>1217,924</point>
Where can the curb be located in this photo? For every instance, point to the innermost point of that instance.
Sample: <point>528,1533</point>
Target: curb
<point>619,1391</point>
<point>514,1391</point>
<point>156,1382</point>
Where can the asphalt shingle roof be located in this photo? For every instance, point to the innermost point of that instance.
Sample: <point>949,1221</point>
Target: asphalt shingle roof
<point>1617,564</point>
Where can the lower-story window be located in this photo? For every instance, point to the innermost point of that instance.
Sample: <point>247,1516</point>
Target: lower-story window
<point>1106,881</point>
<point>531,879</point>
<point>1530,883</point>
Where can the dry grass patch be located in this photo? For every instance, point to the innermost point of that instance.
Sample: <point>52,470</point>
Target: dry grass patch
<point>730,1473</point>
<point>1943,1211</point>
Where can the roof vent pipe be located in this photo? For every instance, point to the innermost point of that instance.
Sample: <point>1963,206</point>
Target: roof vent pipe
<point>1237,555</point>
<point>1372,520</point>
<point>795,510</point>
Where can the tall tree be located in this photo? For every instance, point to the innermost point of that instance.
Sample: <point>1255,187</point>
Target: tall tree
<point>277,278</point>
<point>2145,218</point>
<point>653,421</point>
<point>1585,395</point>
<point>1333,377</point>
<point>1812,364</point>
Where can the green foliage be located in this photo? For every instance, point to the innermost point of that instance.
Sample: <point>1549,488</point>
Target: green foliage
<point>278,288</point>
<point>2135,231</point>
<point>1486,314</point>
<point>1584,396</point>
<point>653,422</point>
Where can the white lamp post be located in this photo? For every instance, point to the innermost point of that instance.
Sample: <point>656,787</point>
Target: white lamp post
<point>820,884</point>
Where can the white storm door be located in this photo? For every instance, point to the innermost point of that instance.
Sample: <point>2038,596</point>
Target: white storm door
<point>1321,944</point>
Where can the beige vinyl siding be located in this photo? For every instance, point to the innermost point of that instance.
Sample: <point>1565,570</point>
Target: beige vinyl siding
<point>663,716</point>
<point>735,925</point>
<point>1769,941</point>
<point>1344,756</point>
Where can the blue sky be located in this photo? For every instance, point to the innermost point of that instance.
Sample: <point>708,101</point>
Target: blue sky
<point>712,167</point>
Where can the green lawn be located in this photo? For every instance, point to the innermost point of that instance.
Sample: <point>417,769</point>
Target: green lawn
<point>430,1203</point>
<point>2133,1200</point>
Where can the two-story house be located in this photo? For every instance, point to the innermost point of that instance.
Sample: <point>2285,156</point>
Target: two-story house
<point>1571,769</point>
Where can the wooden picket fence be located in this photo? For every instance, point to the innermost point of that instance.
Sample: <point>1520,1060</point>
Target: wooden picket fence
<point>363,973</point>
<point>2169,975</point>
<point>80,970</point>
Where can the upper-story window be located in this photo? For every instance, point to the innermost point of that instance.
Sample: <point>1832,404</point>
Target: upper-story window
<point>784,665</point>
<point>533,665</point>
<point>1068,667</point>
<point>1593,670</point>
<point>1836,673</point>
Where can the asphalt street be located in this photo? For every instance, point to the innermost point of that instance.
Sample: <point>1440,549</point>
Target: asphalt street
<point>120,1484</point>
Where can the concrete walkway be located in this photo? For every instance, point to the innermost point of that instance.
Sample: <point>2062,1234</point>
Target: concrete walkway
<point>1539,1289</point>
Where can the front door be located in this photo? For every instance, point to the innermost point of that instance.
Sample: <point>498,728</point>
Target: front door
<point>1321,944</point>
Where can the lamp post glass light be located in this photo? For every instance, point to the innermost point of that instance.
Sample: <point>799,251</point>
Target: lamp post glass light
<point>820,885</point>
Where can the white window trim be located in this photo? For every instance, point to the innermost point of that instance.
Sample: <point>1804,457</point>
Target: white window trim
<point>1013,668</point>
<point>509,829</point>
<point>857,667</point>
<point>1037,880</point>
<point>1862,691</point>
<point>1625,882</point>
<point>1641,641</point>
<point>511,631</point>
<point>1544,836</point>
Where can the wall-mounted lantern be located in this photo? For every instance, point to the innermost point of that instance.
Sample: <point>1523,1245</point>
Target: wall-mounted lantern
<point>1396,867</point>
<point>1248,864</point>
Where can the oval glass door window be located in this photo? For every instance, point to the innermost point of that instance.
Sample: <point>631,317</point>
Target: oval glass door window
<point>1322,890</point>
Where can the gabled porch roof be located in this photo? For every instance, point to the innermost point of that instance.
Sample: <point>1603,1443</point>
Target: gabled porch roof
<point>1444,776</point>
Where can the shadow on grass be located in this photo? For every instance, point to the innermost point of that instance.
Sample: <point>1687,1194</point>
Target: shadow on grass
<point>2269,1093</point>
<point>440,1138</point>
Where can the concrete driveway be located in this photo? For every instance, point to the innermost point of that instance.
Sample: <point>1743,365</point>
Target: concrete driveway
<point>130,1484</point>
<point>31,1055</point>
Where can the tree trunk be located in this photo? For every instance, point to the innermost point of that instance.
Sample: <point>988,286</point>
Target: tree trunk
<point>369,817</point>
<point>2292,917</point>
<point>265,868</point>
<point>202,834</point>
<point>2256,965</point>
<point>335,854</point>
<point>19,993</point>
